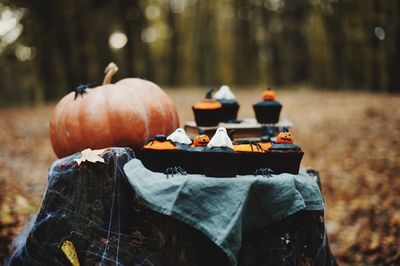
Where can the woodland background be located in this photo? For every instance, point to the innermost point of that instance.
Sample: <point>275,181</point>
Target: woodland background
<point>49,47</point>
<point>334,63</point>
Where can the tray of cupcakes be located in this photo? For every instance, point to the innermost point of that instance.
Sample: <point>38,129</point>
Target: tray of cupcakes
<point>220,145</point>
<point>221,110</point>
<point>222,155</point>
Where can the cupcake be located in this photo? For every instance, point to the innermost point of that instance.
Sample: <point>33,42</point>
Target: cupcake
<point>285,156</point>
<point>219,159</point>
<point>208,111</point>
<point>193,155</point>
<point>250,158</point>
<point>230,107</point>
<point>160,154</point>
<point>268,110</point>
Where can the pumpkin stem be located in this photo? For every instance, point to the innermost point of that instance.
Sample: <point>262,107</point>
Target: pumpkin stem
<point>110,71</point>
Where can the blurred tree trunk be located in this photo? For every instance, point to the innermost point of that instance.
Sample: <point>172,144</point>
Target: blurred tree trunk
<point>102,31</point>
<point>274,44</point>
<point>83,13</point>
<point>373,80</point>
<point>393,63</point>
<point>334,25</point>
<point>325,43</point>
<point>205,50</point>
<point>132,27</point>
<point>173,49</point>
<point>47,54</point>
<point>138,58</point>
<point>296,56</point>
<point>67,44</point>
<point>246,55</point>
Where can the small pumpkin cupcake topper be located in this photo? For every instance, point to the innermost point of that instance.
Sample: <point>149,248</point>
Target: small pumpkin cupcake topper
<point>201,140</point>
<point>179,136</point>
<point>285,137</point>
<point>269,95</point>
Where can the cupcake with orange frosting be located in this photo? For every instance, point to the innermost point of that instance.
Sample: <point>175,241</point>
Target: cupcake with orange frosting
<point>159,154</point>
<point>160,143</point>
<point>208,111</point>
<point>268,110</point>
<point>250,157</point>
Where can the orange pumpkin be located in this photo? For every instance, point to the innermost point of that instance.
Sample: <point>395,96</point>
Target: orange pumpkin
<point>269,95</point>
<point>285,137</point>
<point>201,140</point>
<point>126,113</point>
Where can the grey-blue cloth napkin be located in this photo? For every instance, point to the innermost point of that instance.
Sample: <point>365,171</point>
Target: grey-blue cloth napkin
<point>223,208</point>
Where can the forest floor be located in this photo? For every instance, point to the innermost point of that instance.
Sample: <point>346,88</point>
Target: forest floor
<point>352,138</point>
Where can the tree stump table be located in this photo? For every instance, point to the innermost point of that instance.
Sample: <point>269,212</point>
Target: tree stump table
<point>94,207</point>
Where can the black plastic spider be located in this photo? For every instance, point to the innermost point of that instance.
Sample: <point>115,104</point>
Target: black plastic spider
<point>174,170</point>
<point>81,89</point>
<point>265,172</point>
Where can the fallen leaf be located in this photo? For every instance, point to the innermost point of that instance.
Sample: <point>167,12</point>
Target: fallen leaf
<point>375,241</point>
<point>69,251</point>
<point>90,155</point>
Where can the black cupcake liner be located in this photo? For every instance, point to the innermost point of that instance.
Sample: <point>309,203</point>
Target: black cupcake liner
<point>229,112</point>
<point>207,117</point>
<point>160,160</point>
<point>267,114</point>
<point>249,162</point>
<point>193,160</point>
<point>283,162</point>
<point>215,162</point>
<point>220,162</point>
<point>278,162</point>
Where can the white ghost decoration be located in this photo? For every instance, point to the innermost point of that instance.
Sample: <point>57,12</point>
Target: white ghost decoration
<point>179,136</point>
<point>224,93</point>
<point>220,139</point>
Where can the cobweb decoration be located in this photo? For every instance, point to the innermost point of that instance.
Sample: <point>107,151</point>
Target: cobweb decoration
<point>93,207</point>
